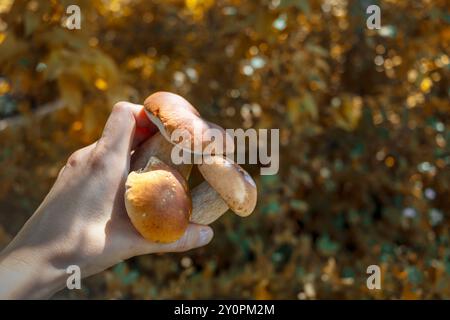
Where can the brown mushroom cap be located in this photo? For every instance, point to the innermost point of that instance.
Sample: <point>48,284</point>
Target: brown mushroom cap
<point>170,112</point>
<point>232,183</point>
<point>158,202</point>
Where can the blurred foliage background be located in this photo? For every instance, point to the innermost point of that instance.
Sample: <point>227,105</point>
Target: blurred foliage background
<point>365,132</point>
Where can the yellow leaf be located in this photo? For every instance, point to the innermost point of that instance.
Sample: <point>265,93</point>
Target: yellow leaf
<point>198,7</point>
<point>4,87</point>
<point>261,291</point>
<point>426,85</point>
<point>302,108</point>
<point>70,91</point>
<point>293,108</point>
<point>5,5</point>
<point>101,84</point>
<point>348,114</point>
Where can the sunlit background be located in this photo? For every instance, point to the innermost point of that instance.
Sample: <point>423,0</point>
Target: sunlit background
<point>363,116</point>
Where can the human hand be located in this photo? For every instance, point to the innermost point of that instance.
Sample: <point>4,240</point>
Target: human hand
<point>83,221</point>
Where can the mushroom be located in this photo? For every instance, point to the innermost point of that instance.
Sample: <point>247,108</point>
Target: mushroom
<point>171,113</point>
<point>157,201</point>
<point>227,185</point>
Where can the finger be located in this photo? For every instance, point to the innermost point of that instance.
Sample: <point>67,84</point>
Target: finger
<point>118,132</point>
<point>195,236</point>
<point>127,121</point>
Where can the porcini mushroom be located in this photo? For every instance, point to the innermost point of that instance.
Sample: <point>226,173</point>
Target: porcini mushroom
<point>158,202</point>
<point>227,185</point>
<point>171,113</point>
<point>230,186</point>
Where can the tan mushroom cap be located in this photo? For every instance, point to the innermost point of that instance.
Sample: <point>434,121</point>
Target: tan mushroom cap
<point>171,112</point>
<point>158,202</point>
<point>232,183</point>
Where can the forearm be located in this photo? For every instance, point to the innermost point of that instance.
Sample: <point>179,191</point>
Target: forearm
<point>26,273</point>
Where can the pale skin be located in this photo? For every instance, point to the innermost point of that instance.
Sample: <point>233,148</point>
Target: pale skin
<point>82,221</point>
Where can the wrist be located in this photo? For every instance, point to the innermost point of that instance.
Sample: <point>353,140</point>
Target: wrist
<point>28,273</point>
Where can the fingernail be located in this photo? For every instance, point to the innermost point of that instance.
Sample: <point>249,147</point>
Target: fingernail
<point>206,235</point>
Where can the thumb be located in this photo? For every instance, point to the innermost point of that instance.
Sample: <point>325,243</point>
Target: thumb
<point>119,130</point>
<point>195,236</point>
<point>119,133</point>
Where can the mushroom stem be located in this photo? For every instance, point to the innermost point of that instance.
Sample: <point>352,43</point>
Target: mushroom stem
<point>157,146</point>
<point>207,204</point>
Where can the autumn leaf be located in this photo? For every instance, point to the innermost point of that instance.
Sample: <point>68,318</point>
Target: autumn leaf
<point>70,91</point>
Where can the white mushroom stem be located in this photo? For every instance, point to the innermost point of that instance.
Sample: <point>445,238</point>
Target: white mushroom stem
<point>214,197</point>
<point>207,204</point>
<point>157,146</point>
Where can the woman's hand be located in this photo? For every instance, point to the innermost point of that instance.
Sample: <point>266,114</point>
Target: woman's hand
<point>83,221</point>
